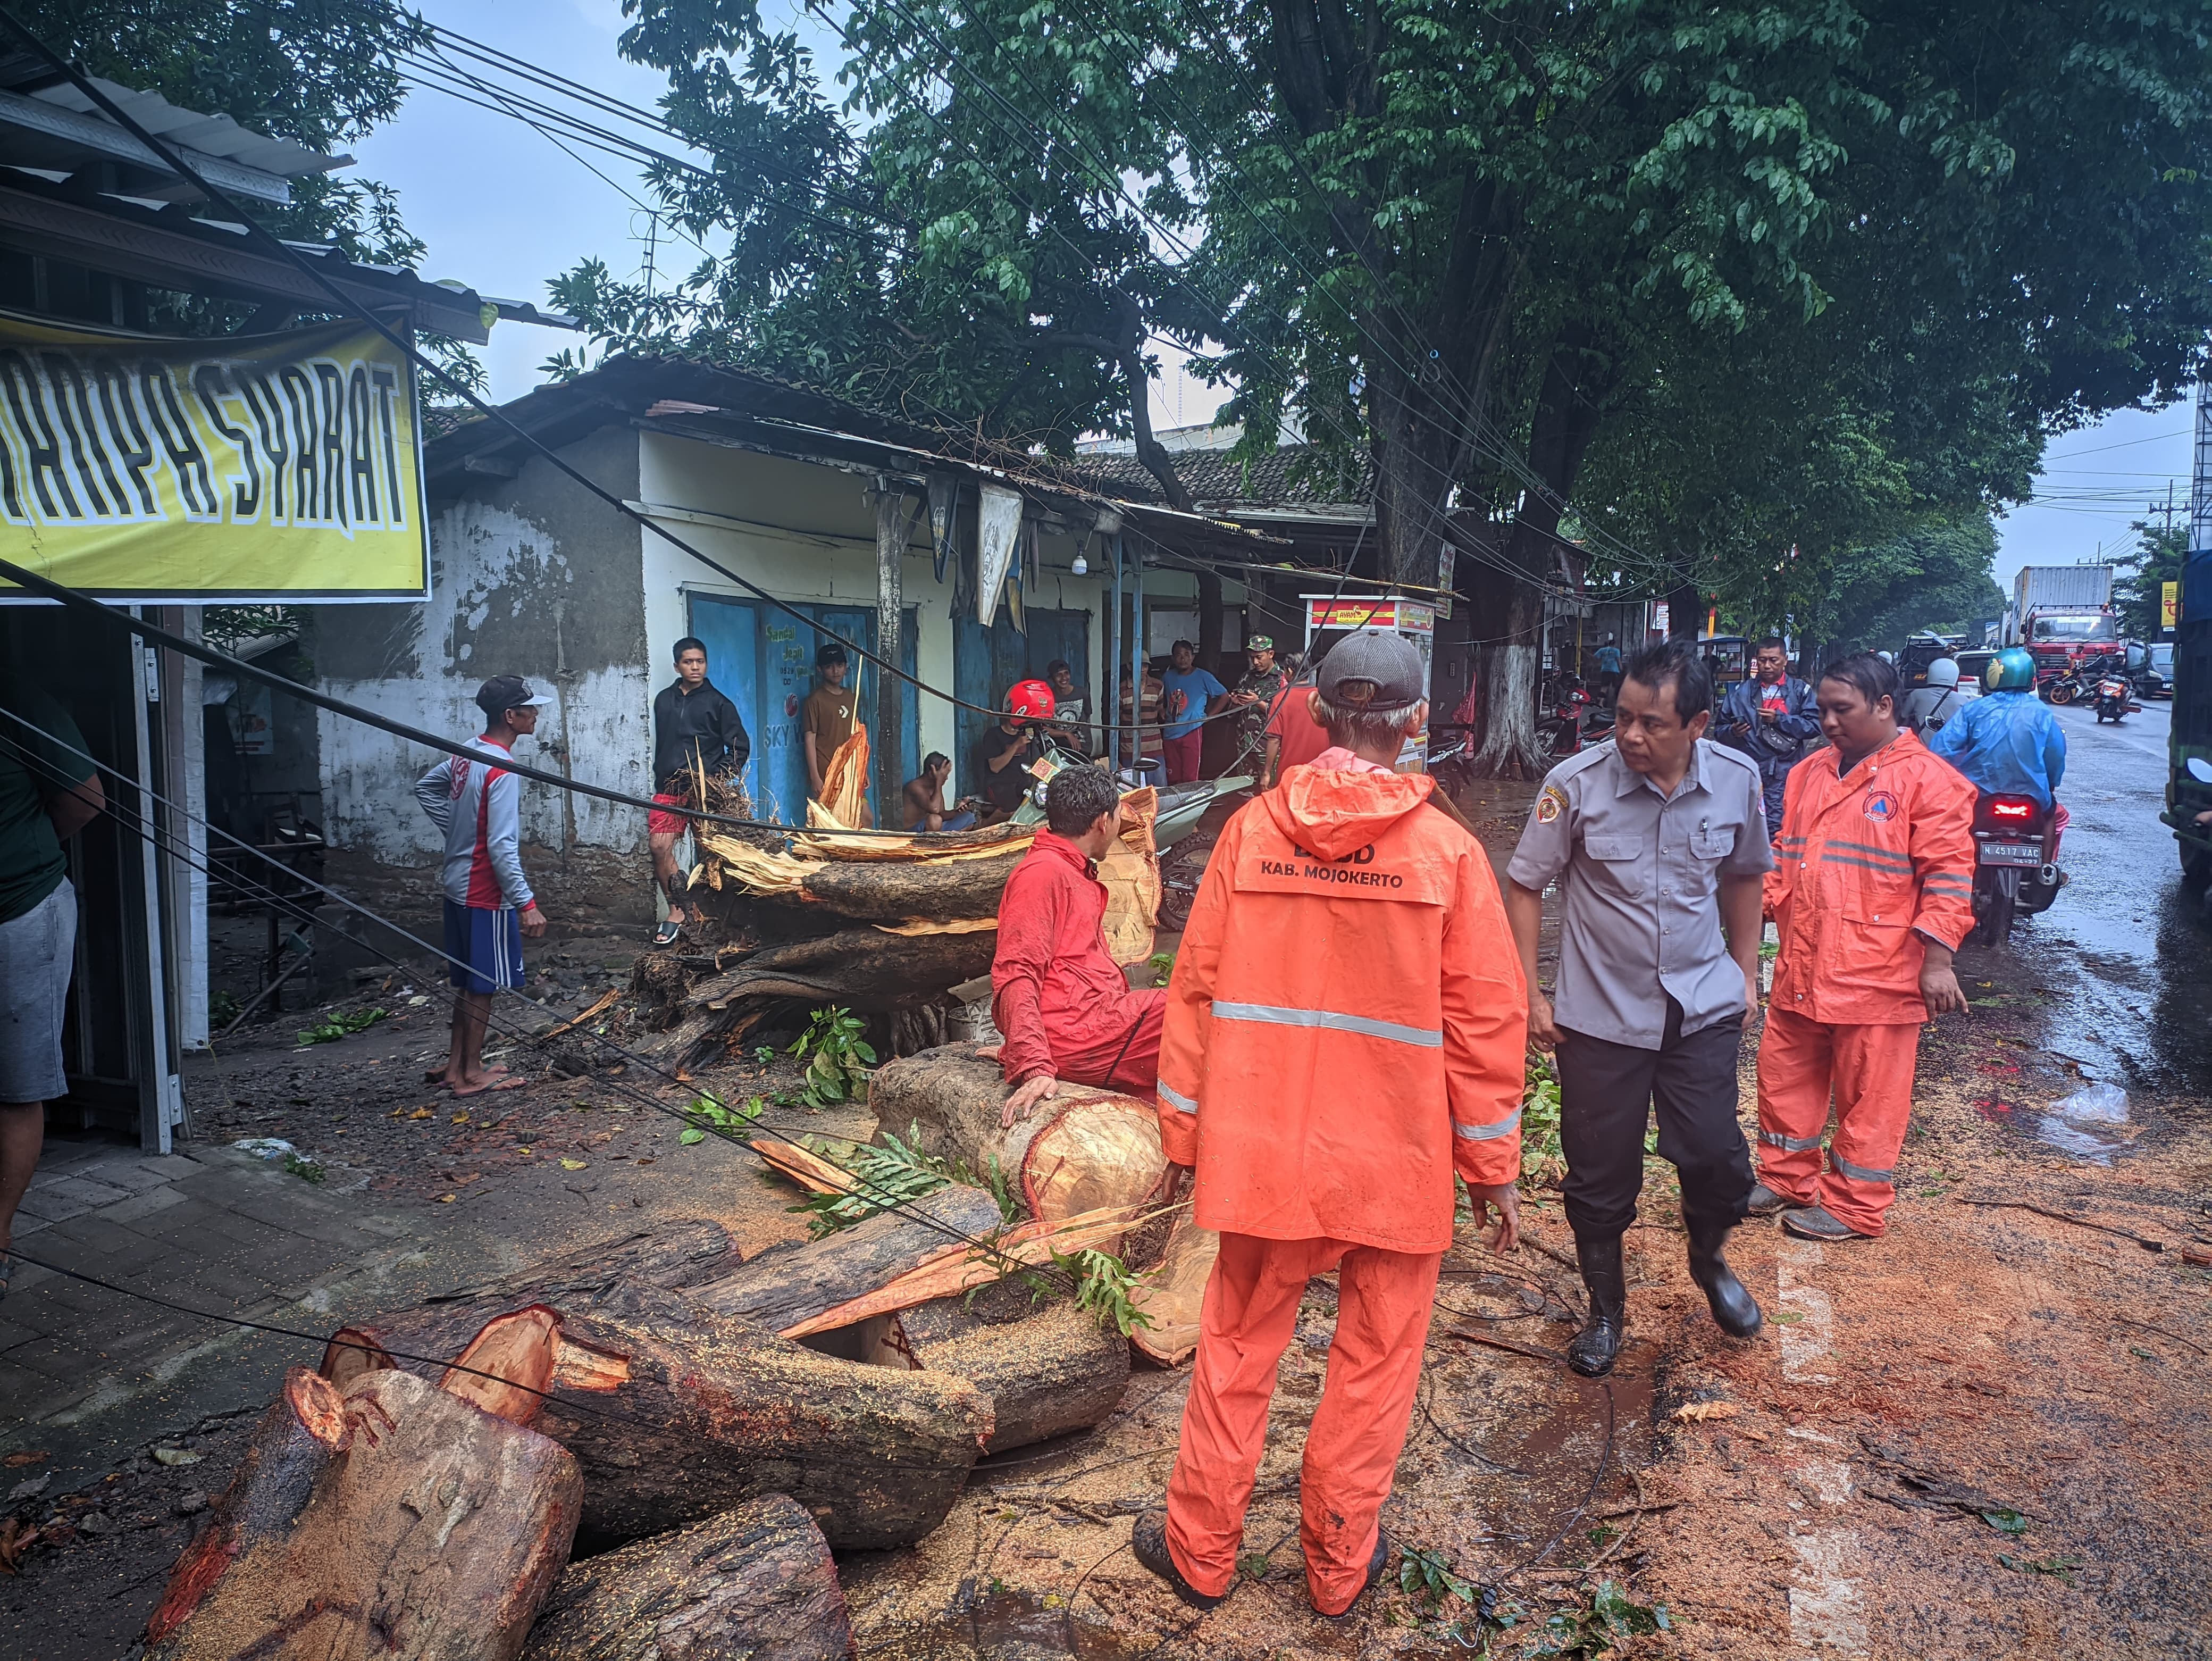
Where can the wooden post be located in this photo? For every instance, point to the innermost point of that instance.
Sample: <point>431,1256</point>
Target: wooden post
<point>1136,563</point>
<point>891,690</point>
<point>1109,702</point>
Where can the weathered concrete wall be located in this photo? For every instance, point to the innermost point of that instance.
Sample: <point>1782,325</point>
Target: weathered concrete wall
<point>530,577</point>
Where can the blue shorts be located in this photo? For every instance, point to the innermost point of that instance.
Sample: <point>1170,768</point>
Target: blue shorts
<point>486,945</point>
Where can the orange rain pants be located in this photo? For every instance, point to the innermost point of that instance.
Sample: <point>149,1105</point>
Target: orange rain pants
<point>1251,1311</point>
<point>1869,1070</point>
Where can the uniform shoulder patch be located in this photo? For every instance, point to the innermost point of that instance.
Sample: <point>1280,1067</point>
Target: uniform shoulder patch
<point>1550,804</point>
<point>1880,806</point>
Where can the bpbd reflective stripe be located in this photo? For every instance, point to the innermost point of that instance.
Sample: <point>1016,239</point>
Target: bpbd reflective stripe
<point>1425,1037</point>
<point>1874,850</point>
<point>1483,1133</point>
<point>1789,1144</point>
<point>1175,1098</point>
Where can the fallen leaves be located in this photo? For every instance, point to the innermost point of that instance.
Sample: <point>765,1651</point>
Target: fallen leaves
<point>29,1457</point>
<point>17,1537</point>
<point>421,1113</point>
<point>178,1456</point>
<point>573,1165</point>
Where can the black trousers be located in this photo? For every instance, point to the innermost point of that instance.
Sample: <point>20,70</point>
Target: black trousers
<point>1607,1092</point>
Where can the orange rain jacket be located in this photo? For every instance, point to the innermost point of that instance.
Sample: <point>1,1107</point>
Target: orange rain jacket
<point>1347,1022</point>
<point>1864,865</point>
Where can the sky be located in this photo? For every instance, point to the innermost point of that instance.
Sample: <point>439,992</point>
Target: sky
<point>503,210</point>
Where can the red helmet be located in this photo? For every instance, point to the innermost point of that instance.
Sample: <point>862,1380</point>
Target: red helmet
<point>1032,698</point>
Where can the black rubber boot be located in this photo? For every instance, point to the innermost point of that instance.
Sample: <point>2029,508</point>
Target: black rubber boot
<point>1734,1310</point>
<point>1595,1347</point>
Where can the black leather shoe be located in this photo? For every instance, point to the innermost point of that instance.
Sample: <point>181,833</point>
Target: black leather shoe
<point>1374,1574</point>
<point>1149,1542</point>
<point>1765,1202</point>
<point>1735,1311</point>
<point>1594,1348</point>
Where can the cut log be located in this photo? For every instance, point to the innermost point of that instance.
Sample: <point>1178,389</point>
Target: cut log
<point>756,1581</point>
<point>431,1529</point>
<point>672,1255</point>
<point>884,891</point>
<point>1050,1371</point>
<point>1082,1150</point>
<point>790,1283</point>
<point>1172,1293</point>
<point>676,1413</point>
<point>949,1096</point>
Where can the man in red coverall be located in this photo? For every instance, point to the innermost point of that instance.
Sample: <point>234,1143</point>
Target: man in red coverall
<point>1873,890</point>
<point>1347,1026</point>
<point>1056,993</point>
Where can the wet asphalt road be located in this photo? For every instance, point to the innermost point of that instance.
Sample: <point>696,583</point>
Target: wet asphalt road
<point>2127,952</point>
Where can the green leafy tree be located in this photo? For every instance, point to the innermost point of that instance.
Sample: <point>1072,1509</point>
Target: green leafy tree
<point>2139,588</point>
<point>1835,267</point>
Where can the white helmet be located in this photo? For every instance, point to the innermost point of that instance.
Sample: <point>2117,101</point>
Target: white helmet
<point>1943,672</point>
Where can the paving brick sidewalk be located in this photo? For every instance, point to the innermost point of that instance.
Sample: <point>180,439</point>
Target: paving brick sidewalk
<point>213,1229</point>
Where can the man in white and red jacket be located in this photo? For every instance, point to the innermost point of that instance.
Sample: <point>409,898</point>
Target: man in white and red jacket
<point>489,905</point>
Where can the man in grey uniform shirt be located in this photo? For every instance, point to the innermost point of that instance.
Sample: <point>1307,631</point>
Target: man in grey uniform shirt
<point>1661,837</point>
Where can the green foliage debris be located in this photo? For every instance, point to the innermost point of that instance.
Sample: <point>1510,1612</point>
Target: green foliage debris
<point>835,1057</point>
<point>332,1027</point>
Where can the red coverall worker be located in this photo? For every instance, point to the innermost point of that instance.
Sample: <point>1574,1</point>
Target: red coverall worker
<point>1866,865</point>
<point>1056,993</point>
<point>1347,1026</point>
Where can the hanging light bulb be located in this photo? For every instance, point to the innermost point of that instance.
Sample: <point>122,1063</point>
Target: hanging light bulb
<point>1082,566</point>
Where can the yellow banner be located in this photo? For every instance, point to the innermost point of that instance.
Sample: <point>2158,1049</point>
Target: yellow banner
<point>2169,606</point>
<point>234,468</point>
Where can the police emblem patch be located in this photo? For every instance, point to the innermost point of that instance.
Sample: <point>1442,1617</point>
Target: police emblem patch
<point>1549,804</point>
<point>1879,806</point>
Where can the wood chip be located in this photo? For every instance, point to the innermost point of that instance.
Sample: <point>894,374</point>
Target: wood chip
<point>1692,1413</point>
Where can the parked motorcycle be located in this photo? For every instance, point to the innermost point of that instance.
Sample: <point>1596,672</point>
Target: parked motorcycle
<point>2015,863</point>
<point>2116,698</point>
<point>1562,703</point>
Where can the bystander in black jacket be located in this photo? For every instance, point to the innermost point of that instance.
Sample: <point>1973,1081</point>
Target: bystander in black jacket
<point>690,729</point>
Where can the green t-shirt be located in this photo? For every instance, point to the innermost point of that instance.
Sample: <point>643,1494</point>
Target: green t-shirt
<point>33,770</point>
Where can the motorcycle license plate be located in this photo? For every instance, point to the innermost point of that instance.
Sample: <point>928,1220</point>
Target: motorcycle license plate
<point>2012,853</point>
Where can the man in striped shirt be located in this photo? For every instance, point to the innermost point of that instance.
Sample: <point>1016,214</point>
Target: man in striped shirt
<point>489,905</point>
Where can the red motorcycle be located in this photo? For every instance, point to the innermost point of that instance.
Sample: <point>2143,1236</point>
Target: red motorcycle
<point>1562,703</point>
<point>2016,863</point>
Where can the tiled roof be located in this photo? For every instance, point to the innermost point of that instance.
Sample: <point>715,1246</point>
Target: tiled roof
<point>1296,475</point>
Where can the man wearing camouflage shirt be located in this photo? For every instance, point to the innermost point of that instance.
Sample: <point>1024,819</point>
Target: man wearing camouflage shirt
<point>1256,695</point>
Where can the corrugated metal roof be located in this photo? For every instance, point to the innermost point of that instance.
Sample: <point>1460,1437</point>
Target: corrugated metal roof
<point>59,127</point>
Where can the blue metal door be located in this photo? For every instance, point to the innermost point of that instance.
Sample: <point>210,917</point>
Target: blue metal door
<point>987,661</point>
<point>773,651</point>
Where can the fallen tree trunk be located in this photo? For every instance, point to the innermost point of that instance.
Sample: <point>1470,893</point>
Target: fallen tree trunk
<point>426,1528</point>
<point>1083,1150</point>
<point>883,891</point>
<point>676,1413</point>
<point>756,1581</point>
<point>1048,1370</point>
<point>862,968</point>
<point>790,1283</point>
<point>672,1256</point>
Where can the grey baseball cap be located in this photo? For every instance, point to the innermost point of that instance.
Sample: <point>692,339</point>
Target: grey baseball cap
<point>1372,670</point>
